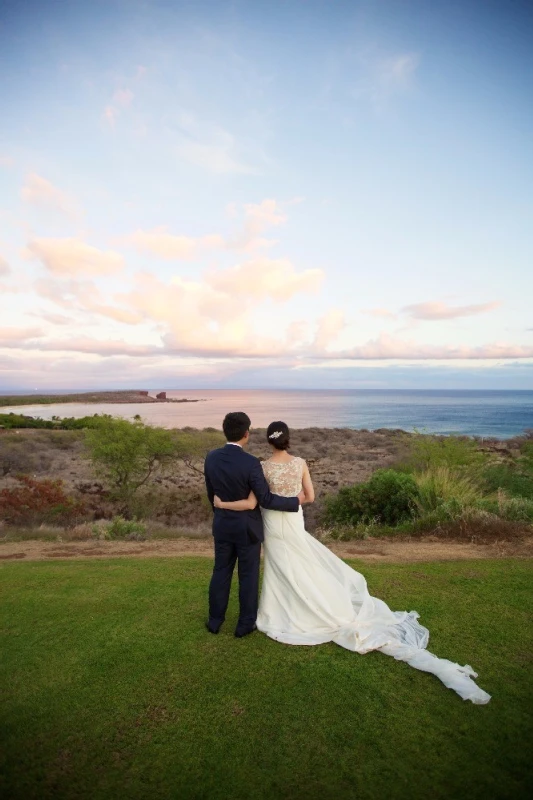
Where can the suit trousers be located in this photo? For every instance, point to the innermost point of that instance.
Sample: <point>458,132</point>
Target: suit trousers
<point>248,556</point>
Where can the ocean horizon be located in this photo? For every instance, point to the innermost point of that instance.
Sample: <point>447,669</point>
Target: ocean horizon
<point>487,413</point>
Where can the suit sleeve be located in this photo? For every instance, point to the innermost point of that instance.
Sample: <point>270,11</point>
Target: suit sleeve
<point>265,498</point>
<point>209,486</point>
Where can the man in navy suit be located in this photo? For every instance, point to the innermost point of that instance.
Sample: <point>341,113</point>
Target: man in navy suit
<point>232,474</point>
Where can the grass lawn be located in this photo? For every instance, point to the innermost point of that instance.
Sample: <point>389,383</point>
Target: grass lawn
<point>113,688</point>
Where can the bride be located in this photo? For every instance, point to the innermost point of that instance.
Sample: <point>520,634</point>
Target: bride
<point>310,596</point>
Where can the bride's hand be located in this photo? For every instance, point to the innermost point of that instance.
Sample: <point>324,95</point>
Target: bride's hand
<point>217,502</point>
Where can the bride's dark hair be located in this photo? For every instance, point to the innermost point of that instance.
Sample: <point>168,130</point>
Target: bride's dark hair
<point>278,435</point>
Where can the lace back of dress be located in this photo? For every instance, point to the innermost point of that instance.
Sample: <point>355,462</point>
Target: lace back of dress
<point>284,479</point>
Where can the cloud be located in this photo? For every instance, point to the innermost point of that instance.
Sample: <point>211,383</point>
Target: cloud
<point>215,316</point>
<point>38,191</point>
<point>397,73</point>
<point>53,319</point>
<point>88,345</point>
<point>386,347</point>
<point>170,246</point>
<point>436,311</point>
<point>329,328</point>
<point>383,313</point>
<point>5,269</point>
<point>83,296</point>
<point>15,337</point>
<point>385,77</point>
<point>265,277</point>
<point>121,100</point>
<point>215,157</point>
<point>210,147</point>
<point>258,217</point>
<point>6,161</point>
<point>74,257</point>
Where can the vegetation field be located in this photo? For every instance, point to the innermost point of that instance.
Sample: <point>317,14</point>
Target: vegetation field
<point>113,688</point>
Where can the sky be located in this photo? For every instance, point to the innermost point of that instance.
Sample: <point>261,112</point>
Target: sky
<point>301,194</point>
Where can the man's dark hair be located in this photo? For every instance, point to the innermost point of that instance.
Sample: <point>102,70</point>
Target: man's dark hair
<point>235,425</point>
<point>278,435</point>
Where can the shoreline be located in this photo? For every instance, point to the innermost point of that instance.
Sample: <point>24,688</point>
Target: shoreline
<point>127,396</point>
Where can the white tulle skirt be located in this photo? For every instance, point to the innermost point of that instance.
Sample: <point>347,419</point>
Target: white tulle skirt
<point>310,596</point>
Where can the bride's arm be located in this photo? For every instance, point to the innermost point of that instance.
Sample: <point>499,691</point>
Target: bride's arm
<point>307,485</point>
<point>237,505</point>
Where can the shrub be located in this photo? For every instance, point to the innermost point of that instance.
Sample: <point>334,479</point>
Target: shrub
<point>389,497</point>
<point>37,502</point>
<point>120,528</point>
<point>511,478</point>
<point>13,421</point>
<point>454,452</point>
<point>15,455</point>
<point>513,509</point>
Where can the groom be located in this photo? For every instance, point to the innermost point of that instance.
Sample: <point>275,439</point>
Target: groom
<point>232,474</point>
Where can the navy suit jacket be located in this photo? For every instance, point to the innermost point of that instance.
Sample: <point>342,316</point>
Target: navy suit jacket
<point>232,473</point>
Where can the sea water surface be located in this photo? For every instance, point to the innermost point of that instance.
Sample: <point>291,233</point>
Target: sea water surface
<point>500,414</point>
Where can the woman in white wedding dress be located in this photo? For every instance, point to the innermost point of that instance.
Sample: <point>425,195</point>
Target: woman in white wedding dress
<point>310,596</point>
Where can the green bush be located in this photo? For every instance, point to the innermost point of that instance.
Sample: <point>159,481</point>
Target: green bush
<point>388,498</point>
<point>13,421</point>
<point>513,509</point>
<point>454,452</point>
<point>511,478</point>
<point>120,528</point>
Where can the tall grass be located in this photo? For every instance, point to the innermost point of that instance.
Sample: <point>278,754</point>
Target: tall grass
<point>440,485</point>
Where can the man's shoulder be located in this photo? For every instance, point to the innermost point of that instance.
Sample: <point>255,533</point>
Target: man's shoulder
<point>250,458</point>
<point>213,453</point>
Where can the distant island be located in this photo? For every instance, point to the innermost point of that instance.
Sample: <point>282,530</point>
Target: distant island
<point>126,396</point>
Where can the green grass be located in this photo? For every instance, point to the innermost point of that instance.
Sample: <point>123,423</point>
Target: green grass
<point>114,689</point>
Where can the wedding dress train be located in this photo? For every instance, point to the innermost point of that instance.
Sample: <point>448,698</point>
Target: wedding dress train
<point>310,596</point>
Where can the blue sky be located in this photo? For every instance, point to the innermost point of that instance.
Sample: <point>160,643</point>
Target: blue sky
<point>288,193</point>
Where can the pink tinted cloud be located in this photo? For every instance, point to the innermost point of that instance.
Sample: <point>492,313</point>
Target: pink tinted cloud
<point>120,101</point>
<point>39,191</point>
<point>14,337</point>
<point>329,328</point>
<point>72,257</point>
<point>382,313</point>
<point>171,247</point>
<point>387,347</point>
<point>265,277</point>
<point>88,345</point>
<point>258,218</point>
<point>123,98</point>
<point>436,311</point>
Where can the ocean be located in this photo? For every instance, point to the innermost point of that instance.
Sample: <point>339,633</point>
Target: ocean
<point>499,414</point>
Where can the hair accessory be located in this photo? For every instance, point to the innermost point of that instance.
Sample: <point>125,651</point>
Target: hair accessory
<point>276,435</point>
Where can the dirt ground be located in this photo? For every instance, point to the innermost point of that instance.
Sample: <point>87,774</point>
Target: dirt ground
<point>372,551</point>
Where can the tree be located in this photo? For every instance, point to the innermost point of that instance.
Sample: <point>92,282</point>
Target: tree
<point>193,445</point>
<point>128,454</point>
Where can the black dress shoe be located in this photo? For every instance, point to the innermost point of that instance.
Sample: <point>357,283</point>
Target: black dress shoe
<point>211,629</point>
<point>239,634</point>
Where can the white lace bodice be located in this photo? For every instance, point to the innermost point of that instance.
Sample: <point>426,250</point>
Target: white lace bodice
<point>284,479</point>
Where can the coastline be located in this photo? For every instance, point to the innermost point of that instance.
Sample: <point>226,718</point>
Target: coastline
<point>127,396</point>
